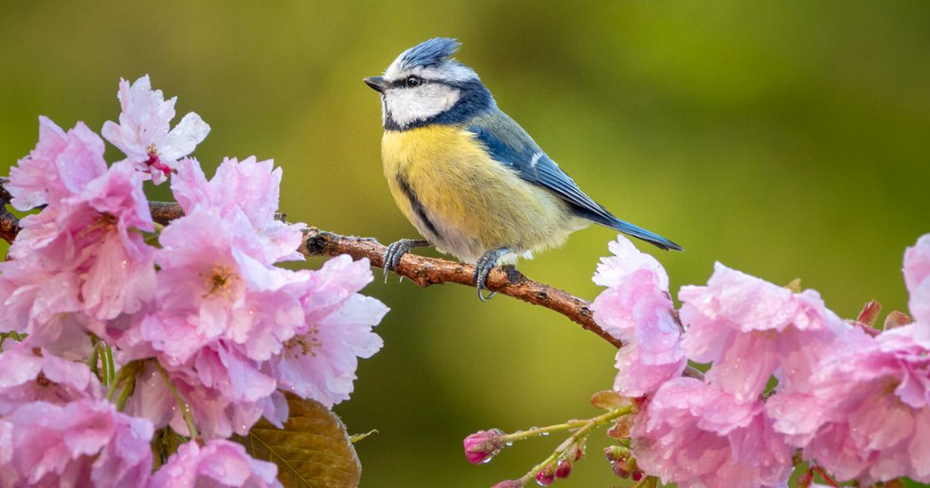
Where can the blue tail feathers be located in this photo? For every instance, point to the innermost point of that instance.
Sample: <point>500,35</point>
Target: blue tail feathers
<point>643,234</point>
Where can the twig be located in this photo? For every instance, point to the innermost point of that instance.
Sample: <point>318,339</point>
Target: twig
<point>581,433</point>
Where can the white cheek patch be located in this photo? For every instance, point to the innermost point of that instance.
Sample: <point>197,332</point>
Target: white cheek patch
<point>408,105</point>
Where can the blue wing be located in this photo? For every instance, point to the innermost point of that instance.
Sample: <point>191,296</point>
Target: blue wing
<point>511,146</point>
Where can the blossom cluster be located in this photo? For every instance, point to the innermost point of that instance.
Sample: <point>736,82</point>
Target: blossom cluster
<point>207,330</point>
<point>785,373</point>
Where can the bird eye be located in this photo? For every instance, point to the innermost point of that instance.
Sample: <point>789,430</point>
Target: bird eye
<point>413,81</point>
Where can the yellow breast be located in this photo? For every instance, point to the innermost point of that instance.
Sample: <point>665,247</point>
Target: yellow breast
<point>464,202</point>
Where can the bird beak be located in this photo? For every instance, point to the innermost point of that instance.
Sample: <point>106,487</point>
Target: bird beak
<point>376,83</point>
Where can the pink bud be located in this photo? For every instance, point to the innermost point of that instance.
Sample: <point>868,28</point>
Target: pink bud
<point>509,484</point>
<point>545,477</point>
<point>636,475</point>
<point>564,469</point>
<point>620,468</point>
<point>483,445</point>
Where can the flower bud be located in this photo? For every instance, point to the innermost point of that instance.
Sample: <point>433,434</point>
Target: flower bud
<point>546,476</point>
<point>616,453</point>
<point>508,484</point>
<point>576,451</point>
<point>563,469</point>
<point>621,468</point>
<point>483,445</point>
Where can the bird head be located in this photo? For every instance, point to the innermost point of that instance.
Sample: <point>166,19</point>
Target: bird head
<point>424,85</point>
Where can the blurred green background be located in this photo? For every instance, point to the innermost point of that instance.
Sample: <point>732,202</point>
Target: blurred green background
<point>786,139</point>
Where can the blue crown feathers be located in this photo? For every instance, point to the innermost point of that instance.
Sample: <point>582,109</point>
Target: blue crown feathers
<point>430,53</point>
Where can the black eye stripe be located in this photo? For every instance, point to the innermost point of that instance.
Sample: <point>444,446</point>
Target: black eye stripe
<point>402,83</point>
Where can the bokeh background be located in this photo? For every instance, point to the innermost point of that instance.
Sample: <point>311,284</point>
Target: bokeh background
<point>787,139</point>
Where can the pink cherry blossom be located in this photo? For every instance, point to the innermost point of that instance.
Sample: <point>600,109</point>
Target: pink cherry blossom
<point>249,189</point>
<point>867,414</point>
<point>693,434</point>
<point>214,414</point>
<point>223,315</point>
<point>637,309</point>
<point>144,132</point>
<point>320,361</point>
<point>217,463</point>
<point>39,301</point>
<point>219,291</point>
<point>749,329</point>
<point>60,166</point>
<point>26,377</point>
<point>83,254</point>
<point>83,443</point>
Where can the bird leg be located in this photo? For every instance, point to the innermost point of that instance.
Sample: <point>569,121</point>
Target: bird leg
<point>483,268</point>
<point>397,250</point>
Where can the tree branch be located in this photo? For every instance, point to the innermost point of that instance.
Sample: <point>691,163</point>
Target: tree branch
<point>423,271</point>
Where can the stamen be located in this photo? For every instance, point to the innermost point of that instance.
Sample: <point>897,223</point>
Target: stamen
<point>222,279</point>
<point>302,345</point>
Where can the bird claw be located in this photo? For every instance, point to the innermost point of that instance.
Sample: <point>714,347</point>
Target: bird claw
<point>396,251</point>
<point>483,269</point>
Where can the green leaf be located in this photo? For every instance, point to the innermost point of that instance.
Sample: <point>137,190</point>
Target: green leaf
<point>313,449</point>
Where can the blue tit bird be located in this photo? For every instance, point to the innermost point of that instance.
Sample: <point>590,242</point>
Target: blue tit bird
<point>466,175</point>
